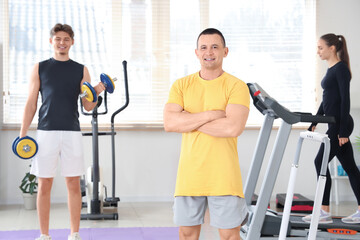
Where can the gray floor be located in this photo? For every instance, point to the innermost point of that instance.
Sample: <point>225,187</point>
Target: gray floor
<point>145,214</point>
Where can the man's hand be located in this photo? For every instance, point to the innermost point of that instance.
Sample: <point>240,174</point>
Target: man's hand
<point>99,88</point>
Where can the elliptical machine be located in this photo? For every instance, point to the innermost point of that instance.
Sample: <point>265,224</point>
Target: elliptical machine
<point>93,184</point>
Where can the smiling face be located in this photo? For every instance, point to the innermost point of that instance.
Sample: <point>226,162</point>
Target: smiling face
<point>211,51</point>
<point>61,43</point>
<point>324,51</point>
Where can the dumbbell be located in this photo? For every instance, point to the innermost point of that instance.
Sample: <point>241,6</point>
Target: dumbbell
<point>25,147</point>
<point>89,92</point>
<point>108,82</point>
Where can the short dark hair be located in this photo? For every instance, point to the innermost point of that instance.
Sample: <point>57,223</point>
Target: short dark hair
<point>210,31</point>
<point>62,28</point>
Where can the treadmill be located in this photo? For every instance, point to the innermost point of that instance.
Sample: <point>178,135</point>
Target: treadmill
<point>264,223</point>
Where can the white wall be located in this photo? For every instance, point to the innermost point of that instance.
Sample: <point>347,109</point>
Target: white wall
<point>146,164</point>
<point>147,160</point>
<point>342,18</point>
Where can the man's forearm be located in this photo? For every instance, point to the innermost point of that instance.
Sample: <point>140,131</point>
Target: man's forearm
<point>232,125</point>
<point>176,119</point>
<point>223,127</point>
<point>28,116</point>
<point>183,122</point>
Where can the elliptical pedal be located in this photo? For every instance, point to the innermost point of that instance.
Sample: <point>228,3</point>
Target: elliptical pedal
<point>111,202</point>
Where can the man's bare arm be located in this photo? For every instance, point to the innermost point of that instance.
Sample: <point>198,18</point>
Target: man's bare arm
<point>230,126</point>
<point>178,120</point>
<point>98,89</point>
<point>31,102</point>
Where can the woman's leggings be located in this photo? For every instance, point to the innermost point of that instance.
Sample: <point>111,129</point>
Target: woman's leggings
<point>346,157</point>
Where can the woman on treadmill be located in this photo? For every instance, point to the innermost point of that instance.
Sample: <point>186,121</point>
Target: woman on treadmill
<point>336,102</point>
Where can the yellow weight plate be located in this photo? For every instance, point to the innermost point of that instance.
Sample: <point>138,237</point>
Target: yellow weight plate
<point>89,96</point>
<point>26,148</point>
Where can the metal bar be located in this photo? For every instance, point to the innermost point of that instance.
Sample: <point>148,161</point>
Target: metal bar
<point>95,205</point>
<point>269,182</point>
<point>290,192</point>
<point>320,189</point>
<point>113,160</point>
<point>258,158</point>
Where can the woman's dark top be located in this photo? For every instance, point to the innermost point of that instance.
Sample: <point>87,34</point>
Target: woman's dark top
<point>336,97</point>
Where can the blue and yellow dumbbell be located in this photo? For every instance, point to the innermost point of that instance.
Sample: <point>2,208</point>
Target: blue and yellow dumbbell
<point>108,82</point>
<point>25,147</point>
<point>88,92</point>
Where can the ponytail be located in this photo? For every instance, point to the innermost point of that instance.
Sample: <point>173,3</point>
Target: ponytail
<point>340,45</point>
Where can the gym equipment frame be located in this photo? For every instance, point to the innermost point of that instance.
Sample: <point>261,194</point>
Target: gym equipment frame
<point>96,204</point>
<point>264,223</point>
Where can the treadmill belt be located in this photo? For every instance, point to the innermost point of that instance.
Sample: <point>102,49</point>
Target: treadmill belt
<point>297,222</point>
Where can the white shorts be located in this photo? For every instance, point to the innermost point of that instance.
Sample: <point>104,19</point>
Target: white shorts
<point>65,146</point>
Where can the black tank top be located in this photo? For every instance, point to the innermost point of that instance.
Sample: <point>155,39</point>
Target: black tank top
<point>59,88</point>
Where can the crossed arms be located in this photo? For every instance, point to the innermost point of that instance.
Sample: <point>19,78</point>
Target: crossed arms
<point>217,123</point>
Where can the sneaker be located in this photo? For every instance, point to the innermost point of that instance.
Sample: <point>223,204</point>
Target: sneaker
<point>74,236</point>
<point>325,217</point>
<point>43,237</point>
<point>352,219</point>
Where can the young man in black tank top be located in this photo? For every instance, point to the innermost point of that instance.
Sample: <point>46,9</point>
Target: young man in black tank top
<point>59,81</point>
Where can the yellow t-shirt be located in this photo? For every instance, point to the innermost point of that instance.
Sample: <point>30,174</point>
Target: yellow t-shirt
<point>208,166</point>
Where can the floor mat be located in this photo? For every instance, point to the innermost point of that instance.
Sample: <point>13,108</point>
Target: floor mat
<point>136,233</point>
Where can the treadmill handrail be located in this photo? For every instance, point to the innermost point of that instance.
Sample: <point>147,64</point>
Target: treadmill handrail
<point>257,94</point>
<point>264,103</point>
<point>296,117</point>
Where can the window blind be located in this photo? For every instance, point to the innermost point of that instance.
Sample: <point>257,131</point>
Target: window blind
<point>270,42</point>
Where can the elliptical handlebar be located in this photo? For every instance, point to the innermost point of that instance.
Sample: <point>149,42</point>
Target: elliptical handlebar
<point>127,99</point>
<point>264,103</point>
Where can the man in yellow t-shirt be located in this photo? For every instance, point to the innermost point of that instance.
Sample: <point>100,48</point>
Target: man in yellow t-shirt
<point>210,109</point>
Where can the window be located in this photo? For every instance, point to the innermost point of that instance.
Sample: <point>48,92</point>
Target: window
<point>270,42</point>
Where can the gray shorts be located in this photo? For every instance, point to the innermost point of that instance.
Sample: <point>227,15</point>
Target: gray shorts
<point>226,212</point>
